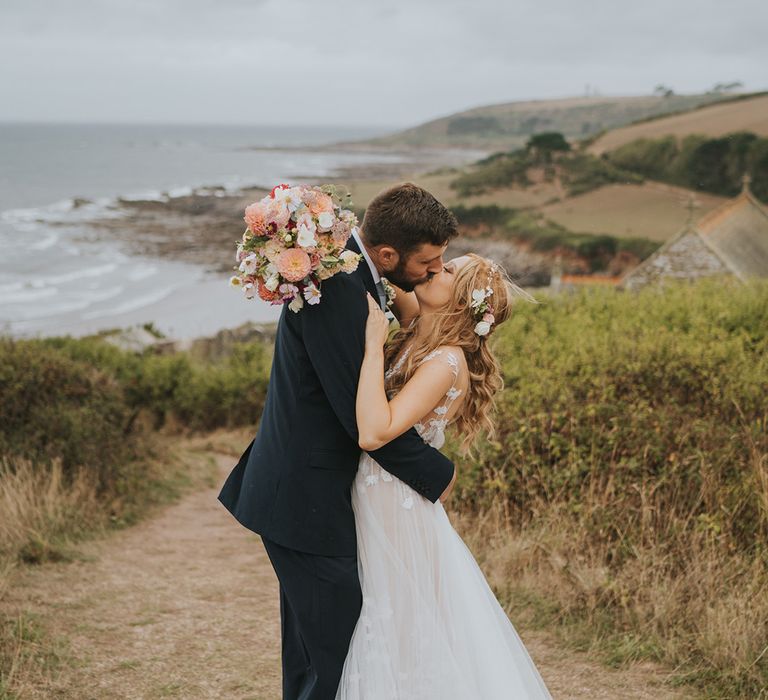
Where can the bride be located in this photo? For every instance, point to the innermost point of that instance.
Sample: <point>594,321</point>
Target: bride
<point>430,626</point>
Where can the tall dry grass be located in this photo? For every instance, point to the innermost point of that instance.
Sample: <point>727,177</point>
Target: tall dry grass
<point>42,510</point>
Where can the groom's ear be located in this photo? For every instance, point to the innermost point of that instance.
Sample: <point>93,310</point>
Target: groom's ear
<point>387,257</point>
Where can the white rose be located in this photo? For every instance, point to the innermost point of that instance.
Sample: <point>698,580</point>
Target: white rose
<point>296,304</point>
<point>272,283</point>
<point>325,221</point>
<point>349,261</point>
<point>324,272</point>
<point>483,328</point>
<point>478,295</point>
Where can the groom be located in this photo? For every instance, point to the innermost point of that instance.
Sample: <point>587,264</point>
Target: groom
<point>292,484</point>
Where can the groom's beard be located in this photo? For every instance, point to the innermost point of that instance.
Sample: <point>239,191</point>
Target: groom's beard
<point>399,279</point>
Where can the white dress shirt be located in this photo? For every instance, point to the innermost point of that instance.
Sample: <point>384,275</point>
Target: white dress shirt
<point>374,271</point>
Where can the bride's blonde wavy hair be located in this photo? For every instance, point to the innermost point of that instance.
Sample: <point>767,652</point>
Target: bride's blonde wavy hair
<point>454,324</point>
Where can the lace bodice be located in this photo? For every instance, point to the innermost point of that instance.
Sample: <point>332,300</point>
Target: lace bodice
<point>432,429</point>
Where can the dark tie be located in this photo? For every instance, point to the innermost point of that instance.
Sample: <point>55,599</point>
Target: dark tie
<point>382,295</point>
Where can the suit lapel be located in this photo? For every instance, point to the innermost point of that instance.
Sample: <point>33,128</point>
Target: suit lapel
<point>362,269</point>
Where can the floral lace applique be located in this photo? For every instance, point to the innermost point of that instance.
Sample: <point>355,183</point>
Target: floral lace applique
<point>432,430</point>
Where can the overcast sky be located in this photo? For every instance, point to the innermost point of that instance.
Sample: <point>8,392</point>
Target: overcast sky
<point>358,62</point>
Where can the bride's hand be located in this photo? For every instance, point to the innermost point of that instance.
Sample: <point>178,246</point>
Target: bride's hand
<point>377,326</point>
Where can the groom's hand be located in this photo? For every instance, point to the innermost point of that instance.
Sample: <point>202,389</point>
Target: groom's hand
<point>448,488</point>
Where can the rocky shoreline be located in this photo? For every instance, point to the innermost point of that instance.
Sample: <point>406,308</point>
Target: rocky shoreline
<point>203,228</point>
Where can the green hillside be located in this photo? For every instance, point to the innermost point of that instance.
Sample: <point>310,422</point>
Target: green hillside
<point>506,126</point>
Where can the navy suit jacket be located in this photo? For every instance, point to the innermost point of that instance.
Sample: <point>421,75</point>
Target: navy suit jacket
<point>293,482</point>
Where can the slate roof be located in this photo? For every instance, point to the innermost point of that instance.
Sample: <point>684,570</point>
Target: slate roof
<point>732,238</point>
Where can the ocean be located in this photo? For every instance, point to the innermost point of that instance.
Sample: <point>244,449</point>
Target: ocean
<point>57,279</point>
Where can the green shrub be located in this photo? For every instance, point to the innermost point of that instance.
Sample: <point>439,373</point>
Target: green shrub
<point>634,387</point>
<point>583,172</point>
<point>709,164</point>
<point>504,170</point>
<point>490,215</point>
<point>52,405</point>
<point>78,399</point>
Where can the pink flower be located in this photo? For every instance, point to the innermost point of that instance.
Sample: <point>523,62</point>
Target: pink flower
<point>317,202</point>
<point>293,264</point>
<point>256,218</point>
<point>488,318</point>
<point>278,213</point>
<point>340,233</point>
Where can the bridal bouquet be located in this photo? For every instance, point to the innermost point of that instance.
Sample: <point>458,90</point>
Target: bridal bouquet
<point>295,239</point>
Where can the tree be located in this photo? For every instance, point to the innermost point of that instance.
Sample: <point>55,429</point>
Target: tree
<point>663,91</point>
<point>542,146</point>
<point>727,87</point>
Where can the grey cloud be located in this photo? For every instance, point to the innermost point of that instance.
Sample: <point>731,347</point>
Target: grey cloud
<point>345,61</point>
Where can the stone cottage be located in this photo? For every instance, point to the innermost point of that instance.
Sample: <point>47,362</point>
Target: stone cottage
<point>729,240</point>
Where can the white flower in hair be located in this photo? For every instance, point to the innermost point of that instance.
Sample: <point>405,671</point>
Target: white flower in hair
<point>483,328</point>
<point>478,296</point>
<point>483,311</point>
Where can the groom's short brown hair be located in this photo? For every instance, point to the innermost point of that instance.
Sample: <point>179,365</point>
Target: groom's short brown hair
<point>406,216</point>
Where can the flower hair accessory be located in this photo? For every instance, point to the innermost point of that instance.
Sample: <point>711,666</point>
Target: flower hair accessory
<point>483,310</point>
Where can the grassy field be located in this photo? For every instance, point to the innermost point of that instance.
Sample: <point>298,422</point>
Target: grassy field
<point>713,120</point>
<point>650,210</point>
<point>508,126</point>
<point>363,191</point>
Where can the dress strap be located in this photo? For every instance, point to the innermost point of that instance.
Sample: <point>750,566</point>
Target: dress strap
<point>453,393</point>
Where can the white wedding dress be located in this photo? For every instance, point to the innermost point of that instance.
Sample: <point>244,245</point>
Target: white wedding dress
<point>430,626</point>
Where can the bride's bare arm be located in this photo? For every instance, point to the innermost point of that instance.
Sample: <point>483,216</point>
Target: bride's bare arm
<point>379,420</point>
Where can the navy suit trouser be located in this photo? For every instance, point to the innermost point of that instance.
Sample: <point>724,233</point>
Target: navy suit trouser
<point>320,602</point>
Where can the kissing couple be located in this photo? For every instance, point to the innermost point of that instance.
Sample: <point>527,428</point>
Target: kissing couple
<point>380,599</point>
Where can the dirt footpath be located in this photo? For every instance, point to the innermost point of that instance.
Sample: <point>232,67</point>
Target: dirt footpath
<point>185,605</point>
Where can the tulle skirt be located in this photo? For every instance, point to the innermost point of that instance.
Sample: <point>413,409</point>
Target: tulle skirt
<point>430,626</point>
